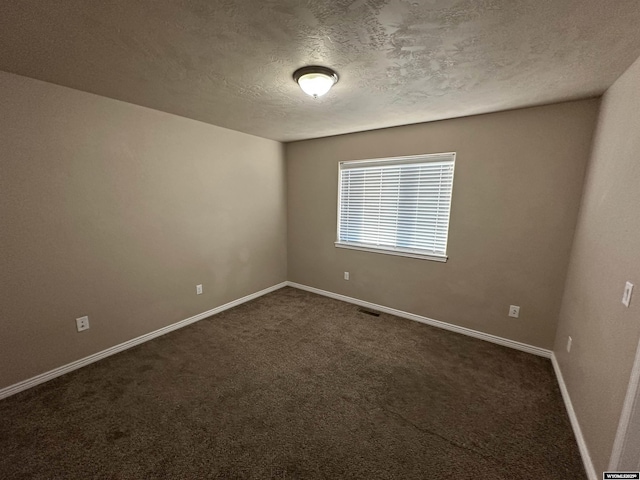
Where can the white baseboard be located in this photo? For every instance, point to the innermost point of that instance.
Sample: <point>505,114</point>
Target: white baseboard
<point>44,377</point>
<point>584,451</point>
<point>56,372</point>
<point>625,446</point>
<point>577,431</point>
<point>429,321</point>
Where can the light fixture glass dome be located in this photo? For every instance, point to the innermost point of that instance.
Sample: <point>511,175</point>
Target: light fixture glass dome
<point>315,81</point>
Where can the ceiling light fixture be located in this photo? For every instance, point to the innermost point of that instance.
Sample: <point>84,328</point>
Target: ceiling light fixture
<point>315,80</point>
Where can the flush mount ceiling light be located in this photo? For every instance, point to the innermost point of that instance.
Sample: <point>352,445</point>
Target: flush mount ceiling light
<point>314,80</point>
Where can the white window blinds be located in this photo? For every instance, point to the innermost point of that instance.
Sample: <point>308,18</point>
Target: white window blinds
<point>396,205</point>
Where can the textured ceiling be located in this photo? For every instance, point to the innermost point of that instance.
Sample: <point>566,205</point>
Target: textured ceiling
<point>229,62</point>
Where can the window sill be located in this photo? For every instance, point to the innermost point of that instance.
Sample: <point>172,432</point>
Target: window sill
<point>400,253</point>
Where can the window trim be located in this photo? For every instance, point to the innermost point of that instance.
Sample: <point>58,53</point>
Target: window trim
<point>392,251</point>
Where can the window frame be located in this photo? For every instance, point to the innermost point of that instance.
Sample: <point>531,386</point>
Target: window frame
<point>411,253</point>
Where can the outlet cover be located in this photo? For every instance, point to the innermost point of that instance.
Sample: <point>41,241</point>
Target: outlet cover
<point>198,289</point>
<point>569,342</point>
<point>82,323</point>
<point>514,311</point>
<point>346,275</point>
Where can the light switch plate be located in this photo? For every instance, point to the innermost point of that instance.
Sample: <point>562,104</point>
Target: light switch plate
<point>626,296</point>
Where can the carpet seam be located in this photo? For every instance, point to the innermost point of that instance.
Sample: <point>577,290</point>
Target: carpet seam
<point>449,441</point>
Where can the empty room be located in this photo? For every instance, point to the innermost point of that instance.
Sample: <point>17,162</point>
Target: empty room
<point>360,239</point>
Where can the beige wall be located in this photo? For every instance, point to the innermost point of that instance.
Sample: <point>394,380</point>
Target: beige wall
<point>116,211</point>
<point>517,189</point>
<point>606,254</point>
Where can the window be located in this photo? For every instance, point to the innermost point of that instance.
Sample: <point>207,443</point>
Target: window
<point>398,206</point>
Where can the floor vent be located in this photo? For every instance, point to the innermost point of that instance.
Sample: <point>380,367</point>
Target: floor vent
<point>369,312</point>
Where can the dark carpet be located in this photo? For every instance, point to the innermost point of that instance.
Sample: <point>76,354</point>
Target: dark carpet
<point>295,385</point>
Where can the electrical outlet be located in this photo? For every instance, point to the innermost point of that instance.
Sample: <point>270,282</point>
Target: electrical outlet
<point>82,323</point>
<point>569,342</point>
<point>514,311</point>
<point>346,275</point>
<point>626,296</point>
<point>198,289</point>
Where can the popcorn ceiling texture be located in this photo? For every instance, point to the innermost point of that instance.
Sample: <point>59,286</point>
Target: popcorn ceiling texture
<point>229,62</point>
